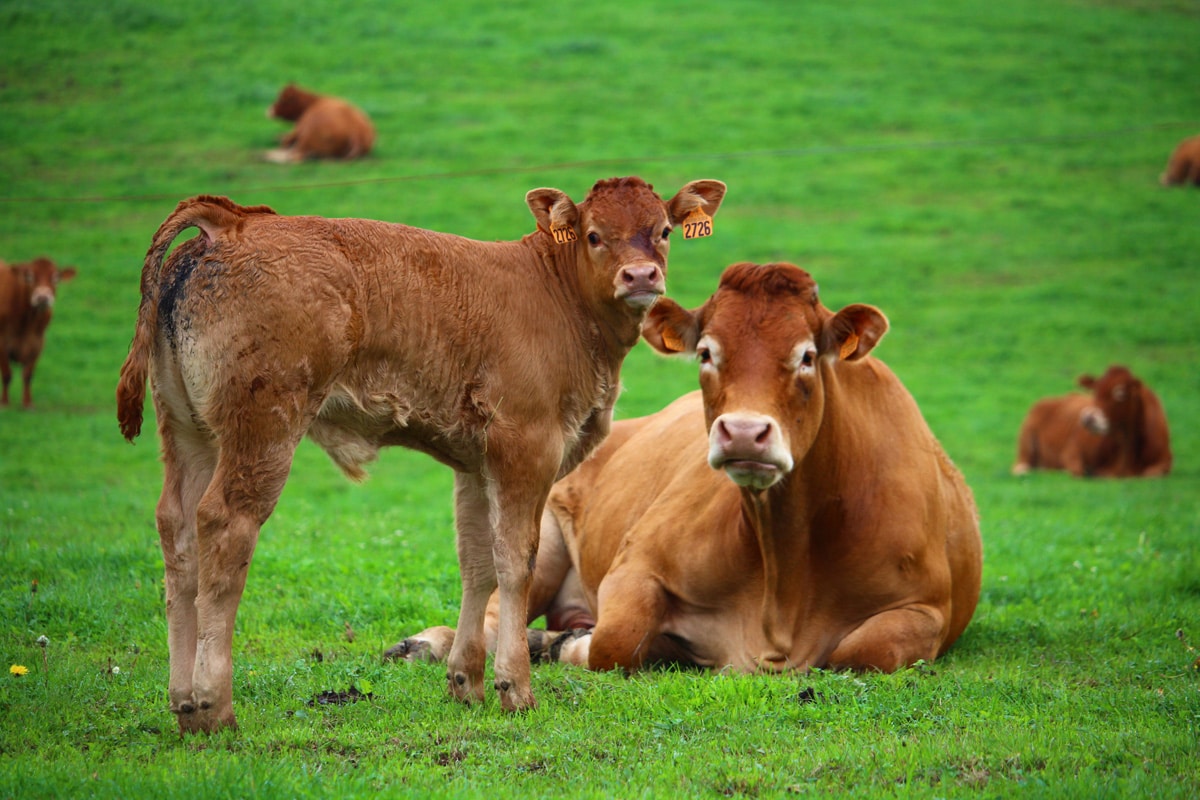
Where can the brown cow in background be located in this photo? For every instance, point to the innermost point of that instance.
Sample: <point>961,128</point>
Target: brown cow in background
<point>326,127</point>
<point>1183,168</point>
<point>1119,430</point>
<point>796,512</point>
<point>499,359</point>
<point>27,294</point>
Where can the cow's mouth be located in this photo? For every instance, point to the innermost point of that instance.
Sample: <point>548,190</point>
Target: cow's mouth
<point>757,475</point>
<point>641,299</point>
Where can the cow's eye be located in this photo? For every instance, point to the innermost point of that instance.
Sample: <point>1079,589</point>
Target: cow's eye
<point>808,359</point>
<point>594,239</point>
<point>666,232</point>
<point>705,355</point>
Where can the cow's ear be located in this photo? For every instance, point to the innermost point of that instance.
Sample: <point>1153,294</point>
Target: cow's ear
<point>670,328</point>
<point>704,194</point>
<point>66,273</point>
<point>853,332</point>
<point>552,209</point>
<point>1087,381</point>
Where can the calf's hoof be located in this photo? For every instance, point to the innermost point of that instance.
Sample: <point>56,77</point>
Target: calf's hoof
<point>193,720</point>
<point>464,689</point>
<point>514,698</point>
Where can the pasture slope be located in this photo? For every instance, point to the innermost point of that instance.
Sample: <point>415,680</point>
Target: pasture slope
<point>985,173</point>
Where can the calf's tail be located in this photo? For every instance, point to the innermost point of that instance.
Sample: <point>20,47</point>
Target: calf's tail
<point>210,214</point>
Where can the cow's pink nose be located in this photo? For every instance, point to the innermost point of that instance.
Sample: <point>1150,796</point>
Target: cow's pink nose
<point>744,436</point>
<point>641,278</point>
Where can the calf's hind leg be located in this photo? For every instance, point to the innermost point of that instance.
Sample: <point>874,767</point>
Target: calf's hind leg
<point>186,473</point>
<point>242,494</point>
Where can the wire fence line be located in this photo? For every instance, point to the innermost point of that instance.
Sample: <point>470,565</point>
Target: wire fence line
<point>788,152</point>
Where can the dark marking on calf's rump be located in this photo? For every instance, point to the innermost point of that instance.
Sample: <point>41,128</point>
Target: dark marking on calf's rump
<point>175,287</point>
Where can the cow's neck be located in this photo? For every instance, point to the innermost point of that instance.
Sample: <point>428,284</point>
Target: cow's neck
<point>780,521</point>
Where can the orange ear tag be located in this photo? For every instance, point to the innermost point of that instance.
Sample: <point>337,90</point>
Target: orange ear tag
<point>671,341</point>
<point>697,224</point>
<point>563,234</point>
<point>848,346</point>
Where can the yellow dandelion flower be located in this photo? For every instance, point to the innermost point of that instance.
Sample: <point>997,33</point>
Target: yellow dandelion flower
<point>19,670</point>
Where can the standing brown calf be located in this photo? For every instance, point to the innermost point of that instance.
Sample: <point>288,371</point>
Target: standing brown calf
<point>326,127</point>
<point>27,294</point>
<point>499,359</point>
<point>1119,430</point>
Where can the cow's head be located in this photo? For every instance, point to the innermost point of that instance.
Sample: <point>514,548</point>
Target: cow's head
<point>291,103</point>
<point>760,341</point>
<point>1116,399</point>
<point>41,278</point>
<point>621,232</point>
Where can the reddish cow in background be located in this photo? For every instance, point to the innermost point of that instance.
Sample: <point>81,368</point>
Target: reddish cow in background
<point>27,294</point>
<point>499,359</point>
<point>796,512</point>
<point>326,127</point>
<point>1183,168</point>
<point>1119,430</point>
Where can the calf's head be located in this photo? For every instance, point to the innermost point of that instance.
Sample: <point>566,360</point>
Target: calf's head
<point>621,232</point>
<point>761,340</point>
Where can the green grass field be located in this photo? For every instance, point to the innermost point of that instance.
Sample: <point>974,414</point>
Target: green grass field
<point>985,173</point>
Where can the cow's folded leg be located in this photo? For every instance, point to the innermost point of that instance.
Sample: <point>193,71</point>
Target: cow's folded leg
<point>563,647</point>
<point>891,640</point>
<point>431,644</point>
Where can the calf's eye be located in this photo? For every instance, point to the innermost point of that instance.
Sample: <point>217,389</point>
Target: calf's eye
<point>594,239</point>
<point>705,355</point>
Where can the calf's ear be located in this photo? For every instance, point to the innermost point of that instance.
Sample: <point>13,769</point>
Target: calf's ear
<point>703,194</point>
<point>552,208</point>
<point>66,273</point>
<point>670,328</point>
<point>1087,381</point>
<point>853,332</point>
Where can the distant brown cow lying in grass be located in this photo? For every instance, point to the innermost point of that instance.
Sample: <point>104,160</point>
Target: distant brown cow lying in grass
<point>1117,431</point>
<point>27,293</point>
<point>1183,168</point>
<point>326,127</point>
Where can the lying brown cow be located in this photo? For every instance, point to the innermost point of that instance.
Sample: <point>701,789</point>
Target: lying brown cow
<point>27,294</point>
<point>796,512</point>
<point>1183,168</point>
<point>1119,430</point>
<point>499,359</point>
<point>326,127</point>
